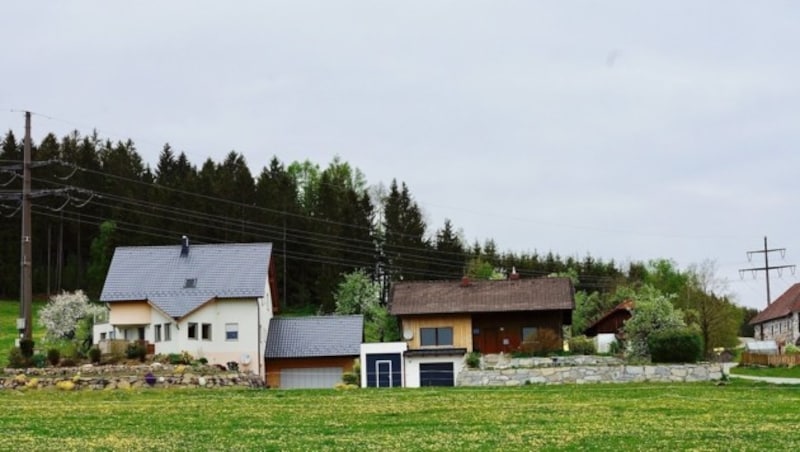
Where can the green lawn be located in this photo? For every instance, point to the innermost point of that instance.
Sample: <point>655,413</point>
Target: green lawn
<point>782,372</point>
<point>9,312</point>
<point>737,416</point>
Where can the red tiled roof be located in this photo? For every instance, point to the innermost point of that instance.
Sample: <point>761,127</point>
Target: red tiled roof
<point>451,297</point>
<point>784,305</point>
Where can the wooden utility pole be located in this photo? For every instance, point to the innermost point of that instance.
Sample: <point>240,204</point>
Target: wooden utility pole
<point>26,283</point>
<point>766,268</point>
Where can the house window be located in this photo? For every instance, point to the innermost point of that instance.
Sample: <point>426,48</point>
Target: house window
<point>167,332</point>
<point>157,333</point>
<point>192,331</point>
<point>231,331</point>
<point>190,283</point>
<point>206,331</point>
<point>529,333</point>
<point>436,336</point>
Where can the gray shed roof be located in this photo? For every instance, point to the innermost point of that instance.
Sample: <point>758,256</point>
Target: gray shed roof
<point>307,337</point>
<point>162,275</point>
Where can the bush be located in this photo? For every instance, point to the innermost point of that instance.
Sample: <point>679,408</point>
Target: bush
<point>94,355</point>
<point>17,360</point>
<point>675,346</point>
<point>180,358</point>
<point>474,360</point>
<point>68,362</point>
<point>791,349</point>
<point>350,378</point>
<point>136,350</point>
<point>39,360</point>
<point>542,343</point>
<point>26,347</point>
<point>582,345</point>
<point>54,356</point>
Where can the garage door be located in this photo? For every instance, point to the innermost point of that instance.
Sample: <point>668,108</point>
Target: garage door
<point>436,374</point>
<point>314,377</point>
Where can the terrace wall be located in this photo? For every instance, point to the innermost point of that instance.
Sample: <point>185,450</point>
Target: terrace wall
<point>126,377</point>
<point>591,374</point>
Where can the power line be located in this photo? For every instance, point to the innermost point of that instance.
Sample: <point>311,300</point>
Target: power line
<point>766,268</point>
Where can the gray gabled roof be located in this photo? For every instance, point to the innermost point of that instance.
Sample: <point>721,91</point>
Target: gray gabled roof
<point>160,273</point>
<point>307,337</point>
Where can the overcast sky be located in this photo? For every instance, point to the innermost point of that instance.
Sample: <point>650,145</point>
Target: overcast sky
<point>625,130</point>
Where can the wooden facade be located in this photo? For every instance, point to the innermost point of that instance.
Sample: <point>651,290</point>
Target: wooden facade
<point>503,331</point>
<point>276,365</point>
<point>129,313</point>
<point>492,332</point>
<point>461,324</point>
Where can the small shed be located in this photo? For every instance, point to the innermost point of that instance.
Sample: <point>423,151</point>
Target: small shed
<point>762,347</point>
<point>311,352</point>
<point>382,364</point>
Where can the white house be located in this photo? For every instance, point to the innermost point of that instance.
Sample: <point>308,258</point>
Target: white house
<point>779,321</point>
<point>212,301</point>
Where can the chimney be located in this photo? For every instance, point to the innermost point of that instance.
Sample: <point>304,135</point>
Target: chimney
<point>514,275</point>
<point>184,246</point>
<point>465,281</point>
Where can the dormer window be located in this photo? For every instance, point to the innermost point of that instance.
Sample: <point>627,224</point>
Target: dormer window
<point>190,283</point>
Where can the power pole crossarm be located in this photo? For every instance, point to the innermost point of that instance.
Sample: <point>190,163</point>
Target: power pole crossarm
<point>766,268</point>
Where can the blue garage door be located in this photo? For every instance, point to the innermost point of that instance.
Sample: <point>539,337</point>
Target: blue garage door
<point>436,374</point>
<point>383,370</point>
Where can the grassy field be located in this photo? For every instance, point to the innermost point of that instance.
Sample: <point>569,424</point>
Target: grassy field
<point>736,416</point>
<point>9,311</point>
<point>781,372</point>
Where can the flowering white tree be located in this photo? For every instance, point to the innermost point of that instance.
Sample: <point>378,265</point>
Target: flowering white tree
<point>63,313</point>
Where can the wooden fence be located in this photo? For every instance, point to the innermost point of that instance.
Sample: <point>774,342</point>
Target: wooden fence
<point>770,360</point>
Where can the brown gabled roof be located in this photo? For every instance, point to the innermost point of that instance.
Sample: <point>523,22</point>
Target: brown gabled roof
<point>451,297</point>
<point>786,304</point>
<point>624,307</point>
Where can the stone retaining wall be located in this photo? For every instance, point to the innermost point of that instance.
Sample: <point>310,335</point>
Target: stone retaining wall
<point>591,374</point>
<point>126,377</point>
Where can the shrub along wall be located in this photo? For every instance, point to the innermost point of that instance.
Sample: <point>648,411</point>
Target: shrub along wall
<point>126,377</point>
<point>591,374</point>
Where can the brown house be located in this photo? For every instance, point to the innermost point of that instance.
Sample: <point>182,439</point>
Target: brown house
<point>612,322</point>
<point>483,316</point>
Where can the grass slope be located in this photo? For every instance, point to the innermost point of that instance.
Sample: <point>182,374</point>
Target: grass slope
<point>737,416</point>
<point>9,312</point>
<point>780,372</point>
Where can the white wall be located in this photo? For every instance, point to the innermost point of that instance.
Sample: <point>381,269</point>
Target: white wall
<point>412,367</point>
<point>219,350</point>
<point>602,342</point>
<point>217,313</point>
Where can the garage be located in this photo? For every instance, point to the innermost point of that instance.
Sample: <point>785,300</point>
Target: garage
<point>311,352</point>
<point>312,377</point>
<point>436,374</point>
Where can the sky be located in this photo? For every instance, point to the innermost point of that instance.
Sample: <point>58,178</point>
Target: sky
<point>624,130</point>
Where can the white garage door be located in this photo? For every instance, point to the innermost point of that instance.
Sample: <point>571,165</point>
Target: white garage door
<point>315,377</point>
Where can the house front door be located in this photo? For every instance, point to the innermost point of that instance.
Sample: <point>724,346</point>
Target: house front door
<point>490,340</point>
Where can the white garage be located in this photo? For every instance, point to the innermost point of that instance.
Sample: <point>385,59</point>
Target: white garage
<point>313,377</point>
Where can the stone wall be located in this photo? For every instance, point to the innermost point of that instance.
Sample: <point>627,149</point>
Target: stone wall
<point>126,377</point>
<point>591,374</point>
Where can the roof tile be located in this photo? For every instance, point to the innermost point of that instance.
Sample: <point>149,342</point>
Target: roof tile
<point>447,297</point>
<point>317,336</point>
<point>159,274</point>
